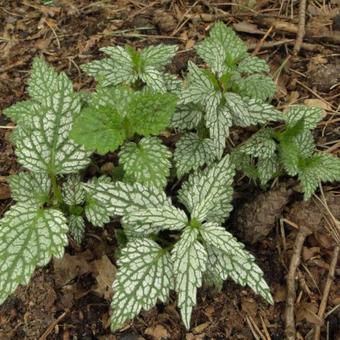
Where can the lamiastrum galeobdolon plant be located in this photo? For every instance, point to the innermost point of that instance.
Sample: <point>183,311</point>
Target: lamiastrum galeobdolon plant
<point>291,149</point>
<point>168,246</point>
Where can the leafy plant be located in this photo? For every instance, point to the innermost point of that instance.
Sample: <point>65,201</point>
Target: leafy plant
<point>35,228</point>
<point>270,152</point>
<point>126,65</point>
<point>232,91</point>
<point>164,244</point>
<point>196,244</point>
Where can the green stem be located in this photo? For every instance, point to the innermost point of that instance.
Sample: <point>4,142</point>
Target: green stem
<point>56,191</point>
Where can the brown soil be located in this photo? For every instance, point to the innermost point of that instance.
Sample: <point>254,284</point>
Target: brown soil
<point>70,298</point>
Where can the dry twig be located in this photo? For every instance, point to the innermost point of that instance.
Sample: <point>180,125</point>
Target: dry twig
<point>290,329</point>
<point>301,28</point>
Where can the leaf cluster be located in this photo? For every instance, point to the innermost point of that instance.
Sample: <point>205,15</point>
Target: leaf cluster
<point>168,244</point>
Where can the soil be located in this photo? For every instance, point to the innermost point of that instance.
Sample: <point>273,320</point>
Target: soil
<point>70,298</point>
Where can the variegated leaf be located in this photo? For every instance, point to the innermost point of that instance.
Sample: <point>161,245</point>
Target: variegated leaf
<point>189,263</point>
<point>310,116</point>
<point>30,188</point>
<point>187,117</point>
<point>207,194</point>
<point>147,162</point>
<point>73,191</point>
<point>145,275</point>
<point>77,227</point>
<point>257,87</point>
<point>253,64</point>
<point>29,237</point>
<point>193,152</point>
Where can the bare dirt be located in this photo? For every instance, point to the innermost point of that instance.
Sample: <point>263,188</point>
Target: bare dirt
<point>70,298</point>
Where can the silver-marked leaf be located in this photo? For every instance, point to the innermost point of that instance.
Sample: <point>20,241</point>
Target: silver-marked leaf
<point>22,112</point>
<point>77,228</point>
<point>122,198</point>
<point>219,122</point>
<point>234,260</point>
<point>267,168</point>
<point>216,236</point>
<point>257,87</point>
<point>237,107</point>
<point>145,276</point>
<point>200,86</point>
<point>29,237</point>
<point>31,188</point>
<point>189,263</point>
<point>252,64</point>
<point>44,146</point>
<point>207,194</point>
<point>235,48</point>
<point>148,221</point>
<point>243,271</point>
<point>257,113</point>
<point>73,191</point>
<point>213,54</point>
<point>158,56</point>
<point>96,211</point>
<point>193,152</point>
<point>261,144</point>
<point>310,116</point>
<point>172,83</point>
<point>187,117</point>
<point>147,162</point>
<point>154,79</point>
<point>117,97</point>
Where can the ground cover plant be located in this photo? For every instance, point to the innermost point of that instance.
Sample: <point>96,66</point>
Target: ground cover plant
<point>171,243</point>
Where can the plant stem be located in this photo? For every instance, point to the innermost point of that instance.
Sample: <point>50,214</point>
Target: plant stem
<point>56,191</point>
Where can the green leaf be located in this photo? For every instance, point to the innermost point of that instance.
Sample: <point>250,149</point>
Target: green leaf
<point>122,198</point>
<point>193,152</point>
<point>43,145</point>
<point>96,211</point>
<point>187,117</point>
<point>147,162</point>
<point>261,144</point>
<point>189,263</point>
<point>252,64</point>
<point>73,191</point>
<point>30,188</point>
<point>289,157</point>
<point>150,113</point>
<point>235,48</point>
<point>244,163</point>
<point>148,221</point>
<point>29,237</point>
<point>99,129</point>
<point>234,261</point>
<point>77,228</point>
<point>207,194</point>
<point>145,275</point>
<point>309,115</point>
<point>321,167</point>
<point>257,87</point>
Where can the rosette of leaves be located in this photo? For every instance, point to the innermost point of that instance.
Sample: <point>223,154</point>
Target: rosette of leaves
<point>232,90</point>
<point>172,248</point>
<point>117,117</point>
<point>50,197</point>
<point>126,65</point>
<point>35,228</point>
<point>291,150</point>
